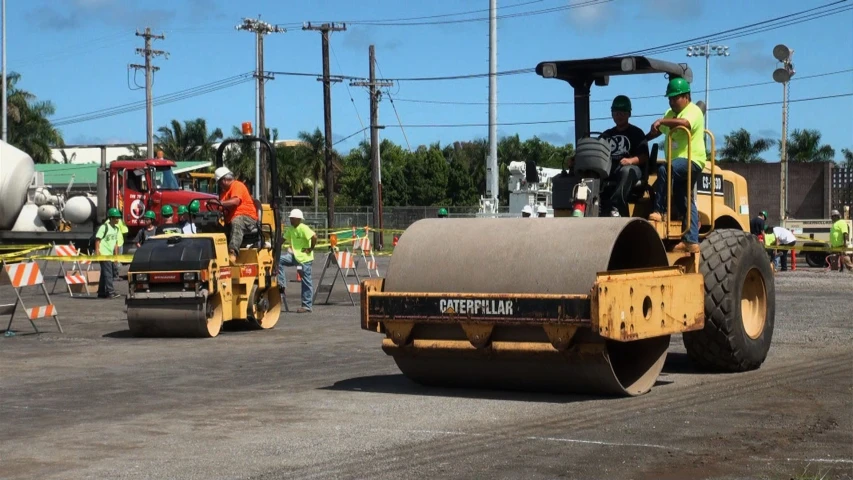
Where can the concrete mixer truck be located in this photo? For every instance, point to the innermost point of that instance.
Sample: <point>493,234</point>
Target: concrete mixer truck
<point>32,214</point>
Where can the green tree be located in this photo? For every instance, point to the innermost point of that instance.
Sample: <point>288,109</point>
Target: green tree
<point>136,153</point>
<point>739,147</point>
<point>426,167</point>
<point>804,146</point>
<point>29,127</point>
<point>190,141</point>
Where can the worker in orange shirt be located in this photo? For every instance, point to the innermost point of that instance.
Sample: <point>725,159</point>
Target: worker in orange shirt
<point>240,211</point>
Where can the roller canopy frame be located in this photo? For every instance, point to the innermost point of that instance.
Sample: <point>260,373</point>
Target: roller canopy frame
<point>276,234</point>
<point>582,74</point>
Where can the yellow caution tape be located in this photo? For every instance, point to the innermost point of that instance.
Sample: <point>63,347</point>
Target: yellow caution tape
<point>124,258</point>
<point>24,247</point>
<point>23,253</point>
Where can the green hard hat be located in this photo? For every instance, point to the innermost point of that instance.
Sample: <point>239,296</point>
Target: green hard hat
<point>764,213</point>
<point>621,104</point>
<point>151,215</point>
<point>677,86</point>
<point>442,212</point>
<point>114,212</point>
<point>195,206</point>
<point>182,210</point>
<point>167,211</point>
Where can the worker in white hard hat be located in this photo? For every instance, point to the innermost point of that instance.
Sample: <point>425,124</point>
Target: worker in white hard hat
<point>301,252</point>
<point>240,212</point>
<point>527,211</point>
<point>541,211</point>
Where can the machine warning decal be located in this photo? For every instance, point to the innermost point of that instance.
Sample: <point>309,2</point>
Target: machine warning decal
<point>704,185</point>
<point>225,273</point>
<point>475,307</point>
<point>249,271</point>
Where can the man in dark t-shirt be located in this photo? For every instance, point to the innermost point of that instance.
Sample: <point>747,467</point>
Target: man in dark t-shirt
<point>756,224</point>
<point>629,153</point>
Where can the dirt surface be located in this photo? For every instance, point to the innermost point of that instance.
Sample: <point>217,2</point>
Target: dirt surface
<point>317,398</point>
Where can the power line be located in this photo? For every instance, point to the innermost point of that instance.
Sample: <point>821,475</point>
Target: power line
<point>543,122</point>
<point>426,17</point>
<point>566,102</point>
<point>163,99</point>
<point>738,32</point>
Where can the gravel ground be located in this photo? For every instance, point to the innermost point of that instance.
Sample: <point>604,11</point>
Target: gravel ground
<point>317,398</point>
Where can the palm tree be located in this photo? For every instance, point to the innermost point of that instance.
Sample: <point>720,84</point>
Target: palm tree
<point>135,154</point>
<point>740,148</point>
<point>804,146</point>
<point>848,158</point>
<point>314,159</point>
<point>188,142</point>
<point>29,128</point>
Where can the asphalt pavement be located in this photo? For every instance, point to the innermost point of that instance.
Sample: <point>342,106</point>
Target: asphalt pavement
<point>316,397</point>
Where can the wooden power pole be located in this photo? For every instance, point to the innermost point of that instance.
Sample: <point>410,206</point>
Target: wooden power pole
<point>324,30</point>
<point>259,28</point>
<point>148,53</point>
<point>376,168</point>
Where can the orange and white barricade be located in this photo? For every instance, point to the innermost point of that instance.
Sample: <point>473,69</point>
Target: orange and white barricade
<point>339,261</point>
<point>76,275</point>
<point>365,249</point>
<point>22,275</point>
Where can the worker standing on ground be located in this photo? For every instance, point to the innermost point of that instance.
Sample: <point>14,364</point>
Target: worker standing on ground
<point>442,212</point>
<point>541,211</point>
<point>169,225</point>
<point>756,225</point>
<point>527,211</point>
<point>682,113</point>
<point>839,236</point>
<point>240,211</point>
<point>106,243</point>
<point>148,229</point>
<point>785,238</point>
<point>122,231</point>
<point>301,252</point>
<point>629,153</point>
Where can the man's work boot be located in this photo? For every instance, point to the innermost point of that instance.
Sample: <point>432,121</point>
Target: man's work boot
<point>655,217</point>
<point>303,310</point>
<point>685,247</point>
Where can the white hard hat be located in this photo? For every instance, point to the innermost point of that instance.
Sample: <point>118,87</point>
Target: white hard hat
<point>221,172</point>
<point>527,209</point>
<point>296,213</point>
<point>541,209</point>
<point>834,213</point>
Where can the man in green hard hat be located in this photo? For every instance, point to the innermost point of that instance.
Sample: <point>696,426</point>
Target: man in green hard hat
<point>148,229</point>
<point>682,112</point>
<point>756,225</point>
<point>629,153</point>
<point>169,225</point>
<point>184,222</point>
<point>106,243</point>
<point>442,212</point>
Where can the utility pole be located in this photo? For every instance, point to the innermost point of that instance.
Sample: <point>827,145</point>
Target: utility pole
<point>492,172</point>
<point>259,28</point>
<point>376,168</point>
<point>148,53</point>
<point>706,51</point>
<point>783,75</point>
<point>324,30</point>
<point>3,108</point>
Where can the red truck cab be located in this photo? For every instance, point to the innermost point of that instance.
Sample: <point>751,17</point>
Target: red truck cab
<point>135,186</point>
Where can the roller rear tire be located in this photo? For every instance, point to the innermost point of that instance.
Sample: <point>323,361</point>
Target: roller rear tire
<point>739,304</point>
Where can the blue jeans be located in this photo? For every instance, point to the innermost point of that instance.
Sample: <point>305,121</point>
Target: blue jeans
<point>679,194</point>
<point>287,260</point>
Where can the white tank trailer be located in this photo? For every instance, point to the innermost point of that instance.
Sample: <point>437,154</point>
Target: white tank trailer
<point>27,206</point>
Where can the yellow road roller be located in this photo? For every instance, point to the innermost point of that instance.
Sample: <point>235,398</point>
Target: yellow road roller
<point>579,303</point>
<point>185,285</point>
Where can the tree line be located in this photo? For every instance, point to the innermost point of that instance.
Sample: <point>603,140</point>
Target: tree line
<point>452,175</point>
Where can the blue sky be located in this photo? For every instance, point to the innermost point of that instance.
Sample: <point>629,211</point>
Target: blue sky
<point>76,54</point>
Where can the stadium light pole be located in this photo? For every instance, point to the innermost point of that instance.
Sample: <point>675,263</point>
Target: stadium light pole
<point>783,75</point>
<point>707,51</point>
